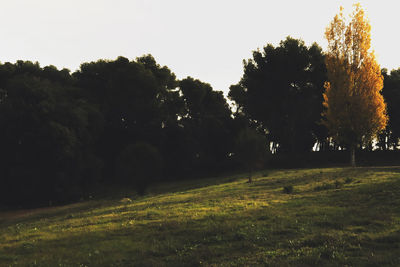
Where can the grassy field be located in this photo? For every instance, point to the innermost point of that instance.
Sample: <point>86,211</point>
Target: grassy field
<point>310,217</point>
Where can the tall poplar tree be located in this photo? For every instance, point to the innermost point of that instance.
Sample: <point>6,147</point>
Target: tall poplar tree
<point>354,107</point>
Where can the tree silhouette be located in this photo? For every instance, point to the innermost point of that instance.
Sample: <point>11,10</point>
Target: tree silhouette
<point>47,137</point>
<point>251,150</point>
<point>281,91</point>
<point>389,138</point>
<point>208,123</point>
<point>139,164</point>
<point>110,122</point>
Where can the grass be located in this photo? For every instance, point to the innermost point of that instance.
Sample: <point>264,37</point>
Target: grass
<point>331,217</point>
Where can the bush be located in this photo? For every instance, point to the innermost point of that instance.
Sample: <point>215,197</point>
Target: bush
<point>288,189</point>
<point>324,186</point>
<point>138,165</point>
<point>251,150</point>
<point>348,180</point>
<point>338,184</point>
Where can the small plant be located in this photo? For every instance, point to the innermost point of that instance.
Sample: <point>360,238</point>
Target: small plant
<point>348,180</point>
<point>288,189</point>
<point>250,179</point>
<point>324,186</point>
<point>338,184</point>
<point>126,200</point>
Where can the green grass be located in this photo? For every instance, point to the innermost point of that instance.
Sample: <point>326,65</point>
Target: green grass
<point>330,217</point>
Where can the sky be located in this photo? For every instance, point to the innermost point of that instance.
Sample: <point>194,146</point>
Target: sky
<point>206,40</point>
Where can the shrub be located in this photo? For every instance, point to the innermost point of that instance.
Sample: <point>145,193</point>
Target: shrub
<point>288,189</point>
<point>324,186</point>
<point>348,180</point>
<point>338,184</point>
<point>138,165</point>
<point>251,150</point>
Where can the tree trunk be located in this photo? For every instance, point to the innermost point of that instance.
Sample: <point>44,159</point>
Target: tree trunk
<point>353,155</point>
<point>250,175</point>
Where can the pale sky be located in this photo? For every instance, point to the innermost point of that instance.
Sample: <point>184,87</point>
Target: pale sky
<point>205,39</point>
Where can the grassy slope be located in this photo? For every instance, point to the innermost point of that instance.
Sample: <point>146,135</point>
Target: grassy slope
<point>222,221</point>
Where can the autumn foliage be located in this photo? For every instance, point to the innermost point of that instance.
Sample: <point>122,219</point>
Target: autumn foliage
<point>355,109</point>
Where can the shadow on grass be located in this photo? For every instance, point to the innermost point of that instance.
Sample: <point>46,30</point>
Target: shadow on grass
<point>354,226</point>
<point>334,228</point>
<point>29,215</point>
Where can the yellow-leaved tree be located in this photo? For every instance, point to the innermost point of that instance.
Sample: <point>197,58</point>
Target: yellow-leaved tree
<point>354,107</point>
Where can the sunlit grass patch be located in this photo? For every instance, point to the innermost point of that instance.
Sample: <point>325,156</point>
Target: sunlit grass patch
<point>224,221</point>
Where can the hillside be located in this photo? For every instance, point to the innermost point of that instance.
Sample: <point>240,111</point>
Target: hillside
<point>333,217</point>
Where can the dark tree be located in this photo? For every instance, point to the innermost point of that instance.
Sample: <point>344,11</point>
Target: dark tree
<point>117,122</point>
<point>134,98</point>
<point>389,139</point>
<point>281,91</point>
<point>139,165</point>
<point>47,136</point>
<point>208,124</point>
<point>251,150</point>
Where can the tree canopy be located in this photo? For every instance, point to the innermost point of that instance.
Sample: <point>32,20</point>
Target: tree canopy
<point>112,122</point>
<point>355,110</point>
<point>281,91</point>
<point>128,123</point>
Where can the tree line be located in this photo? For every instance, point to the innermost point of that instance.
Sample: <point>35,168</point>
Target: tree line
<point>117,122</point>
<point>131,122</point>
